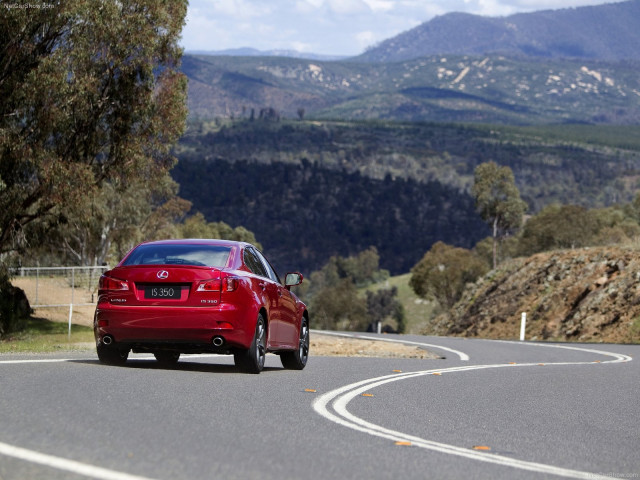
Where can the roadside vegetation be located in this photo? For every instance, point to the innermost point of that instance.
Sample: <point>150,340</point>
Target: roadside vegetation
<point>40,335</point>
<point>573,268</point>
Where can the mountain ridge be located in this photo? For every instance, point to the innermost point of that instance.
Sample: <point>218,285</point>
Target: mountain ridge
<point>442,88</point>
<point>610,31</point>
<point>254,52</point>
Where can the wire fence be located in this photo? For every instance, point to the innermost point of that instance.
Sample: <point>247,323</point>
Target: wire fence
<point>59,286</point>
<point>73,288</point>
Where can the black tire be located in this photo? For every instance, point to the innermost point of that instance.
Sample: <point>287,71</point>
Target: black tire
<point>167,359</point>
<point>297,359</point>
<point>252,359</point>
<point>112,356</point>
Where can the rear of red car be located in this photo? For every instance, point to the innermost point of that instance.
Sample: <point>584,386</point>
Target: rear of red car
<point>176,296</point>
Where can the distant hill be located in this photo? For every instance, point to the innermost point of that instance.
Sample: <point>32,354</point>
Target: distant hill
<point>594,166</point>
<point>302,214</point>
<point>576,65</point>
<point>253,52</point>
<point>441,88</point>
<point>605,32</point>
<point>311,189</point>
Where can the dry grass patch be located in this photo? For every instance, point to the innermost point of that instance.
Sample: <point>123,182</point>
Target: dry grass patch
<point>329,345</point>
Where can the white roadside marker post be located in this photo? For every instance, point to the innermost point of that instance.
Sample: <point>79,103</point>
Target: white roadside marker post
<point>523,325</point>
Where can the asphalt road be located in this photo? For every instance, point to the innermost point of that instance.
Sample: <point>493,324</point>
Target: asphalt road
<point>489,410</point>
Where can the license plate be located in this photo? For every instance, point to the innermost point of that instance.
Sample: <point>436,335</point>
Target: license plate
<point>170,292</point>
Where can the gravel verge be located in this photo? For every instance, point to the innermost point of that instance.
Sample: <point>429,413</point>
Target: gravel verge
<point>332,346</point>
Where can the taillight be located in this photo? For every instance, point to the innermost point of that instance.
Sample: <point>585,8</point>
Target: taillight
<point>229,284</point>
<point>209,286</point>
<point>109,283</point>
<point>226,284</point>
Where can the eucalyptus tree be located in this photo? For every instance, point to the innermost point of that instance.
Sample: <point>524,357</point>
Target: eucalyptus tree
<point>444,271</point>
<point>92,96</point>
<point>498,200</point>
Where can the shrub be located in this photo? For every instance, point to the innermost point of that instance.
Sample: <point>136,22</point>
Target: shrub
<point>444,272</point>
<point>383,305</point>
<point>338,307</point>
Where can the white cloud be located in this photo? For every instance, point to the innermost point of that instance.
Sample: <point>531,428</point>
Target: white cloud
<point>307,6</point>
<point>555,4</point>
<point>364,39</point>
<point>348,7</point>
<point>380,5</point>
<point>314,3</point>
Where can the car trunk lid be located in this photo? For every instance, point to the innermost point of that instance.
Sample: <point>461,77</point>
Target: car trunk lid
<point>162,285</point>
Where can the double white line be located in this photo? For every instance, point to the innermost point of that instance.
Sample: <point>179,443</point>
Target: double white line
<point>333,406</point>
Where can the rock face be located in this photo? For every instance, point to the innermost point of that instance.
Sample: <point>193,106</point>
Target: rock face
<point>590,294</point>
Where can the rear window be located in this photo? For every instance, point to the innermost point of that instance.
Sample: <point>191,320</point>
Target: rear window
<point>196,255</point>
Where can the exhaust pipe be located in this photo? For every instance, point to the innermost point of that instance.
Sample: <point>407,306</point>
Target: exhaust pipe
<point>107,340</point>
<point>218,341</point>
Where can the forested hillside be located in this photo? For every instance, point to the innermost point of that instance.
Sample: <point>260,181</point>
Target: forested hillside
<point>591,166</point>
<point>309,190</point>
<point>303,214</point>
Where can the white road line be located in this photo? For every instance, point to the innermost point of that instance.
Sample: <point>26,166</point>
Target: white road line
<point>620,357</point>
<point>137,357</point>
<point>463,356</point>
<point>49,360</point>
<point>63,464</point>
<point>333,406</point>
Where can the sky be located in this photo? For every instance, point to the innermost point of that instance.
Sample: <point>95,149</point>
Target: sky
<point>330,27</point>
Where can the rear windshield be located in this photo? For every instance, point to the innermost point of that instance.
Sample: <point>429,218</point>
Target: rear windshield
<point>196,255</point>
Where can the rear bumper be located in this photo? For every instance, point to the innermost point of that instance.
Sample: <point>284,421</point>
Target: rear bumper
<point>179,328</point>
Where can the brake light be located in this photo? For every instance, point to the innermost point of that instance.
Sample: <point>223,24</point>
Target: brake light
<point>226,284</point>
<point>209,286</point>
<point>109,283</point>
<point>230,284</point>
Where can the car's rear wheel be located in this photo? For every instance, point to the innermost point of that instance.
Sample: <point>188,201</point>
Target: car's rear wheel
<point>112,356</point>
<point>252,359</point>
<point>167,358</point>
<point>297,359</point>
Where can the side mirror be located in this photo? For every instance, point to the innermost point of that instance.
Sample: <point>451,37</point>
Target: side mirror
<point>292,279</point>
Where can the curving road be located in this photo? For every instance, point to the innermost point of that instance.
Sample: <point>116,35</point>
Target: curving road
<point>488,410</point>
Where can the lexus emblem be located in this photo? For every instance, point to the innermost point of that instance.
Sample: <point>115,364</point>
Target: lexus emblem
<point>162,274</point>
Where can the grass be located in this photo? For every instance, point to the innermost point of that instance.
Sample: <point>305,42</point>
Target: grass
<point>44,336</point>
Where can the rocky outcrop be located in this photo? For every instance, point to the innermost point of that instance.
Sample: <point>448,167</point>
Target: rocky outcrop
<point>590,294</point>
<point>14,307</point>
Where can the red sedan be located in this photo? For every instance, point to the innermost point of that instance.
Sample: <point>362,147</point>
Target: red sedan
<point>200,296</point>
